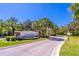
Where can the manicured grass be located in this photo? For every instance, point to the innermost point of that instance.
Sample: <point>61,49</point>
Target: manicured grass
<point>70,47</point>
<point>4,43</point>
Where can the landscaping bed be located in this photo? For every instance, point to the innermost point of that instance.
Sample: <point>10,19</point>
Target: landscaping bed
<point>70,47</point>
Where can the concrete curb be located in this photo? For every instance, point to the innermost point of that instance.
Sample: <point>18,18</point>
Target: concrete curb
<point>56,50</point>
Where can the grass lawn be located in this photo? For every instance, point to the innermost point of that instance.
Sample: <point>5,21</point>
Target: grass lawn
<point>4,43</point>
<point>70,47</point>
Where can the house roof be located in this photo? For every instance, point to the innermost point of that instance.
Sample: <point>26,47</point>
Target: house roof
<point>28,33</point>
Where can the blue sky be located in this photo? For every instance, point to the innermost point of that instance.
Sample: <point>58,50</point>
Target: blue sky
<point>57,13</point>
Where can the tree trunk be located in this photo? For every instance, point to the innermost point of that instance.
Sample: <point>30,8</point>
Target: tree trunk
<point>13,30</point>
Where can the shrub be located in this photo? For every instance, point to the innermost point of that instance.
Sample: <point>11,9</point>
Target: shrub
<point>75,33</point>
<point>10,38</point>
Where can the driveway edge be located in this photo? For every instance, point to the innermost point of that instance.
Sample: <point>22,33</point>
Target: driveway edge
<point>17,45</point>
<point>56,50</point>
<point>11,46</point>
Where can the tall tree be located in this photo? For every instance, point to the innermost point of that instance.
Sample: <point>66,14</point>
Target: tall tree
<point>11,23</point>
<point>19,27</point>
<point>75,24</point>
<point>75,10</point>
<point>27,24</point>
<point>1,26</point>
<point>45,26</point>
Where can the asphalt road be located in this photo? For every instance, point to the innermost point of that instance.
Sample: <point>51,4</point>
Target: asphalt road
<point>40,48</point>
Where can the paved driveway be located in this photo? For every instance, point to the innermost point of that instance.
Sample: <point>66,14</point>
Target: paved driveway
<point>40,48</point>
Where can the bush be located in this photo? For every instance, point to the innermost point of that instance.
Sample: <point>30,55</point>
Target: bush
<point>75,33</point>
<point>10,38</point>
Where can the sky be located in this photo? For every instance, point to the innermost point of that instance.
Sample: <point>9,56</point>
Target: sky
<point>56,12</point>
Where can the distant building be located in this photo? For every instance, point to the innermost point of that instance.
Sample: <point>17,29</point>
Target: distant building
<point>26,34</point>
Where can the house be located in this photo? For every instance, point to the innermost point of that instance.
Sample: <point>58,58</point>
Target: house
<point>26,34</point>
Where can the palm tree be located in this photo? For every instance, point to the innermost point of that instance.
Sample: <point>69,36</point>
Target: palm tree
<point>1,26</point>
<point>11,23</point>
<point>27,24</point>
<point>19,27</point>
<point>75,24</point>
<point>75,9</point>
<point>45,26</point>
